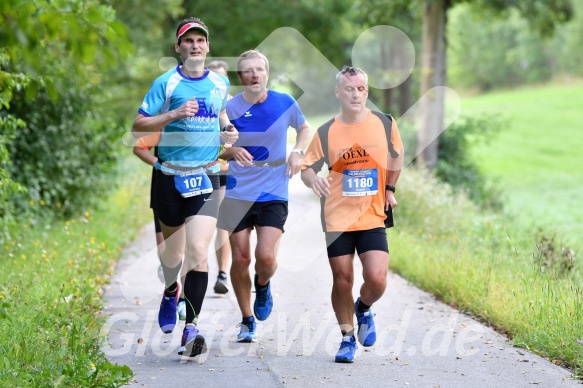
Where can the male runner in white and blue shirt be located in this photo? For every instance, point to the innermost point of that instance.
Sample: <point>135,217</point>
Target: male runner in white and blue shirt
<point>188,103</point>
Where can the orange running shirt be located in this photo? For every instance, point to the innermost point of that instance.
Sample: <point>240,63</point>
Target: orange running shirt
<point>358,155</point>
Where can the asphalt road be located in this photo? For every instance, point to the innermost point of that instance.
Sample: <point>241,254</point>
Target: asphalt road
<point>421,342</point>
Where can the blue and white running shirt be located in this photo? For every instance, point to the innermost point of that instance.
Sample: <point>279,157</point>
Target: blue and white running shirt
<point>263,133</point>
<point>192,141</point>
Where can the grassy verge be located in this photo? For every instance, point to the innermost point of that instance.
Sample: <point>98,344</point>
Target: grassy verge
<point>537,158</point>
<point>488,265</point>
<point>50,289</point>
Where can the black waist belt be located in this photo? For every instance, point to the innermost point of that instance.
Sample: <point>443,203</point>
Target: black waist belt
<point>274,163</point>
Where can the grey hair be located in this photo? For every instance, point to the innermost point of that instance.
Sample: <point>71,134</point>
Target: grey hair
<point>351,70</point>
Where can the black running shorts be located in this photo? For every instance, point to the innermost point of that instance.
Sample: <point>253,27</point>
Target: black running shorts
<point>236,215</point>
<point>345,243</point>
<point>172,209</point>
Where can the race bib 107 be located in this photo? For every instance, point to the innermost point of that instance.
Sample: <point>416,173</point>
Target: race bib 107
<point>192,183</point>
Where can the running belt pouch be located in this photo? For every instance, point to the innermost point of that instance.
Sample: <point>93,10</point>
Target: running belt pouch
<point>389,220</point>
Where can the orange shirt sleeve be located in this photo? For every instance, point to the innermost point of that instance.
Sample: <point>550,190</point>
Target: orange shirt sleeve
<point>314,152</point>
<point>147,142</point>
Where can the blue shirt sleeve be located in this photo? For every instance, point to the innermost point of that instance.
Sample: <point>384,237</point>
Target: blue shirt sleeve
<point>155,99</point>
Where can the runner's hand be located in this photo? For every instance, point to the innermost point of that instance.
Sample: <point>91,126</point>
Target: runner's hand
<point>188,109</point>
<point>294,163</point>
<point>390,200</point>
<point>321,186</point>
<point>230,135</point>
<point>241,156</point>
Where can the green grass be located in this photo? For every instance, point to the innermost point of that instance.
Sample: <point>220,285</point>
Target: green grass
<point>484,264</point>
<point>537,158</point>
<point>51,285</point>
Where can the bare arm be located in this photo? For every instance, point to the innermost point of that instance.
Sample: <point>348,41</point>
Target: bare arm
<point>231,135</point>
<point>239,155</point>
<point>145,155</point>
<point>319,185</point>
<point>392,177</point>
<point>154,123</point>
<point>294,161</point>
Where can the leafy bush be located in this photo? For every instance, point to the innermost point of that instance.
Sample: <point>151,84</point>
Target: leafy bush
<point>455,165</point>
<point>55,135</point>
<point>63,153</point>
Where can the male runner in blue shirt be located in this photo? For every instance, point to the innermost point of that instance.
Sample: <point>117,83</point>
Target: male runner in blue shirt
<point>257,185</point>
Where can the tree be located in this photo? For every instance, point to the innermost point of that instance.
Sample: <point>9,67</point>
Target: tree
<point>543,15</point>
<point>404,16</point>
<point>78,39</point>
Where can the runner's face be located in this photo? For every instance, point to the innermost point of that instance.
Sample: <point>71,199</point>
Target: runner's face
<point>352,93</point>
<point>193,46</point>
<point>254,75</point>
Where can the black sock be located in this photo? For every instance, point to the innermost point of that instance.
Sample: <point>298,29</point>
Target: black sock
<point>362,307</point>
<point>347,333</point>
<point>181,300</point>
<point>223,275</point>
<point>171,290</point>
<point>259,286</point>
<point>194,292</point>
<point>248,319</point>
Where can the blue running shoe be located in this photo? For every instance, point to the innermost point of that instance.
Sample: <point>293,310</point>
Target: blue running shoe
<point>367,333</point>
<point>192,343</point>
<point>167,316</point>
<point>263,301</point>
<point>248,331</point>
<point>347,350</point>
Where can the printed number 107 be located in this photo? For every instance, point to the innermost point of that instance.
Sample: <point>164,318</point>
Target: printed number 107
<point>193,182</point>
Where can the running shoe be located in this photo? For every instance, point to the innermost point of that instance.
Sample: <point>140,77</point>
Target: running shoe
<point>248,331</point>
<point>221,285</point>
<point>367,334</point>
<point>347,350</point>
<point>167,316</point>
<point>263,301</point>
<point>192,343</point>
<point>182,310</point>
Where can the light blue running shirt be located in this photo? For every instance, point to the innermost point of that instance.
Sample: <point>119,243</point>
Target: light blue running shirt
<point>263,132</point>
<point>192,141</point>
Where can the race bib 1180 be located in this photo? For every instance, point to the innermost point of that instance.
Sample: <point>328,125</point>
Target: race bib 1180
<point>358,183</point>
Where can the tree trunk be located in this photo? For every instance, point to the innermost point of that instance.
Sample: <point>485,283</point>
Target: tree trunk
<point>405,95</point>
<point>433,73</point>
<point>386,63</point>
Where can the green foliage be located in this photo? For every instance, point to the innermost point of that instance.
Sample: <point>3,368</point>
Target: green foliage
<point>64,152</point>
<point>487,53</point>
<point>455,164</point>
<point>553,256</point>
<point>543,15</point>
<point>483,263</point>
<point>51,285</point>
<point>565,48</point>
<point>46,98</point>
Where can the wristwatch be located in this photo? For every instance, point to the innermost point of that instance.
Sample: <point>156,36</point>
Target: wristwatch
<point>299,151</point>
<point>390,188</point>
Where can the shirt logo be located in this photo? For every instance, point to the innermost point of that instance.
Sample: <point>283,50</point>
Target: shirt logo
<point>145,105</point>
<point>248,114</point>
